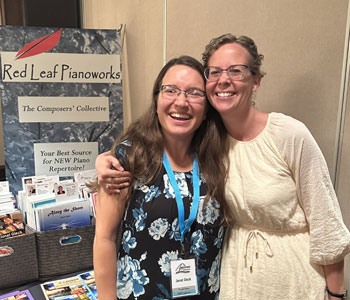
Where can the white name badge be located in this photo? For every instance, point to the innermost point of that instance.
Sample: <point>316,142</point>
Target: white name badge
<point>183,278</point>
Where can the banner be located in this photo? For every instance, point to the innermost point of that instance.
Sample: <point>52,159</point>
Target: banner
<point>61,94</point>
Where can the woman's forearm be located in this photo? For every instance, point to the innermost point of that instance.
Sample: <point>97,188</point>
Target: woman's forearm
<point>105,267</point>
<point>335,278</point>
<point>109,212</point>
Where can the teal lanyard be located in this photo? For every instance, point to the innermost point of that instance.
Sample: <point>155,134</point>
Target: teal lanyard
<point>184,225</point>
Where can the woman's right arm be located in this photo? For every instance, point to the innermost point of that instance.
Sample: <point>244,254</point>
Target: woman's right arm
<point>109,213</point>
<point>111,174</point>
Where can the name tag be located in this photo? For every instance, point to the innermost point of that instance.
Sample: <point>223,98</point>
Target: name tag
<point>184,280</point>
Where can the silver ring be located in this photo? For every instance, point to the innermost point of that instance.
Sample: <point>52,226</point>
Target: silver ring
<point>107,186</point>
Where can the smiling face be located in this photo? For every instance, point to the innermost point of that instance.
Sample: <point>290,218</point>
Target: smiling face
<point>178,118</point>
<point>229,96</point>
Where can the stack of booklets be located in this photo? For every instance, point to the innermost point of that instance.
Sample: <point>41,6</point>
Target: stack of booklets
<point>81,286</point>
<point>22,295</point>
<point>83,178</point>
<point>47,203</point>
<point>50,204</point>
<point>11,222</point>
<point>7,199</point>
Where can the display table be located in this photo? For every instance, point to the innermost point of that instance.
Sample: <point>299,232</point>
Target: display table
<point>35,288</point>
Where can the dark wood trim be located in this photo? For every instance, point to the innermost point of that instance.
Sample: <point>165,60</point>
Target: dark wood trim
<point>2,12</point>
<point>14,13</point>
<point>42,13</point>
<point>52,13</point>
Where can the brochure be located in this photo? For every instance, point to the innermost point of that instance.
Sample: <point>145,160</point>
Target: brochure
<point>84,177</point>
<point>11,224</point>
<point>65,191</point>
<point>71,288</point>
<point>62,215</point>
<point>18,295</point>
<point>86,194</point>
<point>88,278</point>
<point>93,199</point>
<point>32,203</point>
<point>6,206</point>
<point>7,200</point>
<point>4,187</point>
<point>36,185</point>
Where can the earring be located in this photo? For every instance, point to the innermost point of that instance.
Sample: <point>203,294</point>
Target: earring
<point>252,100</point>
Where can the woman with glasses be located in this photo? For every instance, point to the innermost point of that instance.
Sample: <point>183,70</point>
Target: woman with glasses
<point>172,229</point>
<point>288,239</point>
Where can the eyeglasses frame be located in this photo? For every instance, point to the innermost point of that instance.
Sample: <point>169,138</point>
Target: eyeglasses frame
<point>180,91</point>
<point>226,70</point>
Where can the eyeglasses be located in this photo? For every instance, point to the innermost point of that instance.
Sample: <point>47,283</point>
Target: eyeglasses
<point>193,95</point>
<point>235,72</point>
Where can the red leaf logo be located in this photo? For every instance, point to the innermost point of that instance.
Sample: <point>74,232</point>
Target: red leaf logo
<point>40,45</point>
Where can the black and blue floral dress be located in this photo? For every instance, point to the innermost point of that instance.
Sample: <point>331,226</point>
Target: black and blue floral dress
<point>151,238</point>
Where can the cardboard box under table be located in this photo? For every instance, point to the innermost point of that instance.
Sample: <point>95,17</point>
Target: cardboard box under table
<point>64,251</point>
<point>18,261</point>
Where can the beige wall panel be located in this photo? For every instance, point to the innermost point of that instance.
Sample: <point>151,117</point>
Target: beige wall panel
<point>344,179</point>
<point>303,43</point>
<point>144,38</point>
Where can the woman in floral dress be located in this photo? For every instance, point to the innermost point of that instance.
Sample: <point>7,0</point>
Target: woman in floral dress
<point>177,132</point>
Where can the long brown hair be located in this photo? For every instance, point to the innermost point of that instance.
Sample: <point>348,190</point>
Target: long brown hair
<point>144,159</point>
